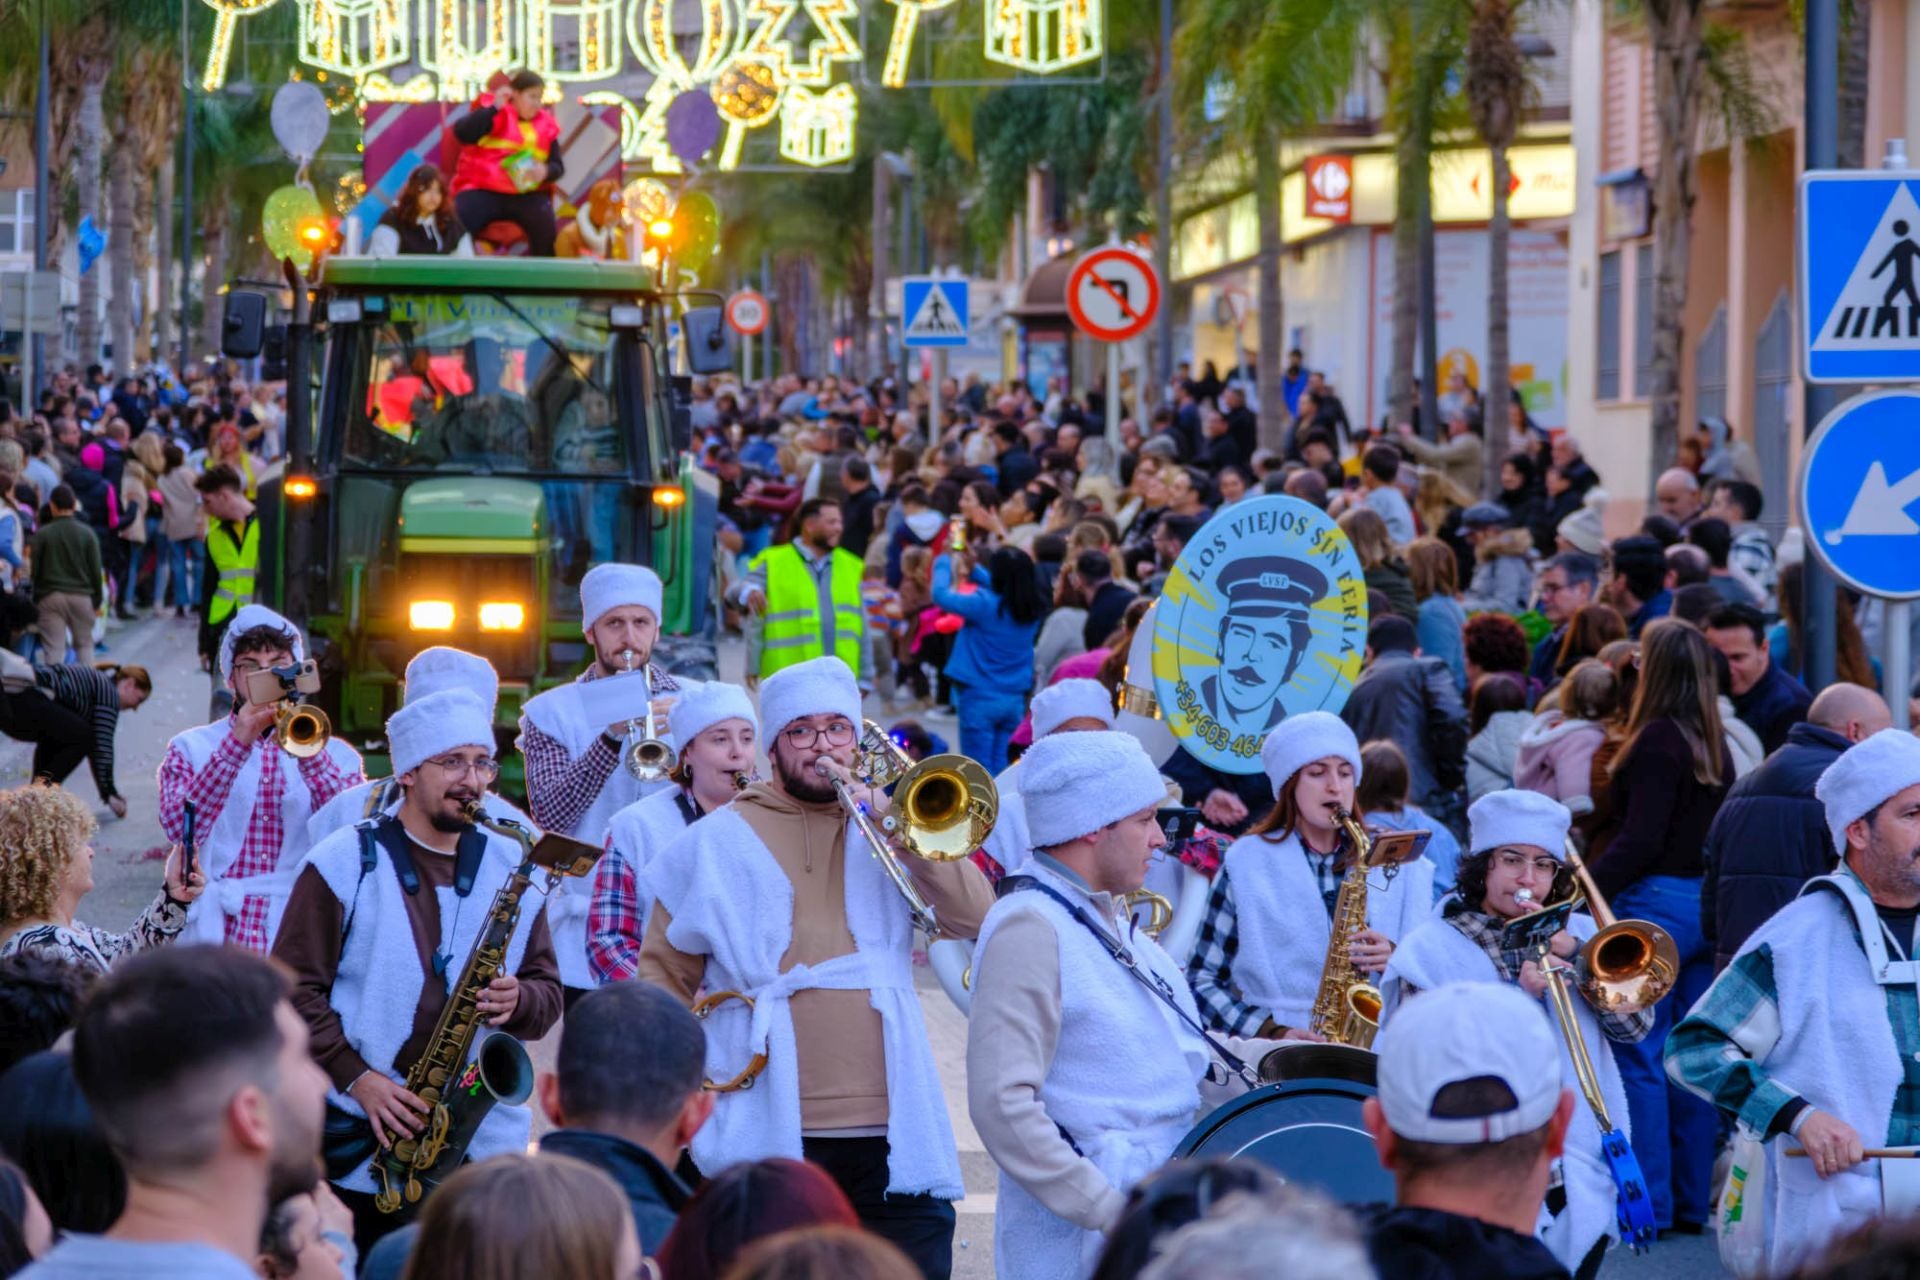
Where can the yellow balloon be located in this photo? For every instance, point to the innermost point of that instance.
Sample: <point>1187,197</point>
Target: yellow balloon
<point>280,220</point>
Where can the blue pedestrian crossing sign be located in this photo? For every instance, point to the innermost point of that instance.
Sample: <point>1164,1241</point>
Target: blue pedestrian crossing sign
<point>1860,275</point>
<point>936,311</point>
<point>1860,492</point>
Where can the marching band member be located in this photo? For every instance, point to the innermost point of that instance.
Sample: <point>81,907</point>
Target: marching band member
<point>1081,1077</point>
<point>576,780</point>
<point>1517,846</point>
<point>374,958</point>
<point>1066,706</point>
<point>250,798</point>
<point>431,670</point>
<point>778,897</point>
<point>717,725</point>
<point>1263,944</point>
<point>1810,1037</point>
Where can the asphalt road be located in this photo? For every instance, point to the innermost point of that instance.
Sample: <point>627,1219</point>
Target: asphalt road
<point>127,875</point>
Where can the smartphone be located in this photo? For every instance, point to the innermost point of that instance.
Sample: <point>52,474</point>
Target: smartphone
<point>1179,824</point>
<point>186,846</point>
<point>277,683</point>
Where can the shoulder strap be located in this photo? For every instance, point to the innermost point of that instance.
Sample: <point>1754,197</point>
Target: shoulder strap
<point>1119,950</point>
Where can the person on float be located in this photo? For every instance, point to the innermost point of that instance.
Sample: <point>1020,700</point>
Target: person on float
<point>1810,1038</point>
<point>778,897</point>
<point>381,924</point>
<point>1264,940</point>
<point>717,723</point>
<point>250,799</point>
<point>511,153</point>
<point>1515,866</point>
<point>577,777</point>
<point>1081,1080</point>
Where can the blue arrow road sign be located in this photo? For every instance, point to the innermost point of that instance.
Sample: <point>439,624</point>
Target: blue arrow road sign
<point>1860,275</point>
<point>1860,489</point>
<point>936,311</point>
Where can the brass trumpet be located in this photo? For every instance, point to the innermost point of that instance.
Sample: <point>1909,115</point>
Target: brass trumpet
<point>646,757</point>
<point>303,731</point>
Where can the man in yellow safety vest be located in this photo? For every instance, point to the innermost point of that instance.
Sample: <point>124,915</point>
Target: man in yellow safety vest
<point>807,594</point>
<point>233,549</point>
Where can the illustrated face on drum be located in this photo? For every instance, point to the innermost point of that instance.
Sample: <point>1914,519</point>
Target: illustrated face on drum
<point>1263,637</point>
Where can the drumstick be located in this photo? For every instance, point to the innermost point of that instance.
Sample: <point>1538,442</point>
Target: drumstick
<point>1871,1153</point>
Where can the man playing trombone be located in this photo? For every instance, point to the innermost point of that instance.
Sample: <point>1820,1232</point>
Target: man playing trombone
<point>250,798</point>
<point>781,907</point>
<point>578,774</point>
<point>1810,1038</point>
<point>1515,865</point>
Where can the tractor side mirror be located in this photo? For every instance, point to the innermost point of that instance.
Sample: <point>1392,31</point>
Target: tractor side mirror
<point>243,325</point>
<point>709,349</point>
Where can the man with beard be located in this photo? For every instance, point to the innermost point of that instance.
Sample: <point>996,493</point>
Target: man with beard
<point>1810,1038</point>
<point>196,1068</point>
<point>382,920</point>
<point>806,594</point>
<point>778,898</point>
<point>573,745</point>
<point>1264,635</point>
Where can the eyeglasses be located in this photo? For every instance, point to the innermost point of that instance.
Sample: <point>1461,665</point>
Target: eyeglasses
<point>1508,860</point>
<point>801,736</point>
<point>485,768</point>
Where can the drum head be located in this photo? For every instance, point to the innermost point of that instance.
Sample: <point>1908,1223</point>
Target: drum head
<point>1308,1131</point>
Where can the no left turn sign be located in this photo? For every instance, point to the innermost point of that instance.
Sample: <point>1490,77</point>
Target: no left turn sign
<point>747,313</point>
<point>1113,294</point>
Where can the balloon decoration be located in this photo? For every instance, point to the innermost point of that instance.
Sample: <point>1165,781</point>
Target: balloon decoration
<point>697,225</point>
<point>286,209</point>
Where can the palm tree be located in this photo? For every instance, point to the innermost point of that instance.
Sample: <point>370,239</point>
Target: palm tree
<point>1497,89</point>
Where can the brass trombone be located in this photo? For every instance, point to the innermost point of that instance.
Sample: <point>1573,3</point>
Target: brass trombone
<point>1628,964</point>
<point>646,757</point>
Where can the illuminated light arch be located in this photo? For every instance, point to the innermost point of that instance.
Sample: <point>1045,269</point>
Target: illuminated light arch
<point>466,41</point>
<point>748,93</point>
<point>355,37</point>
<point>769,39</point>
<point>650,34</point>
<point>1044,36</point>
<point>227,19</point>
<point>597,31</point>
<point>906,23</point>
<point>816,129</point>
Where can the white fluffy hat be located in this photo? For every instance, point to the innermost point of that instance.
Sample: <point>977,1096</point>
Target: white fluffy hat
<point>608,586</point>
<point>1301,739</point>
<point>1518,817</point>
<point>246,619</point>
<point>1068,700</point>
<point>697,709</point>
<point>1076,783</point>
<point>818,686</point>
<point>1864,777</point>
<point>436,724</point>
<point>444,667</point>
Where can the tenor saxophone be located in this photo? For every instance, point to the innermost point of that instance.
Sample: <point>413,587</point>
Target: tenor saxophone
<point>460,1092</point>
<point>1346,1009</point>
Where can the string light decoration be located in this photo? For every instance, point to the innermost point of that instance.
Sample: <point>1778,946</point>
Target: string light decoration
<point>769,39</point>
<point>900,46</point>
<point>629,119</point>
<point>355,37</point>
<point>650,33</point>
<point>378,88</point>
<point>1044,36</point>
<point>468,40</point>
<point>226,21</point>
<point>748,94</point>
<point>595,25</point>
<point>816,129</point>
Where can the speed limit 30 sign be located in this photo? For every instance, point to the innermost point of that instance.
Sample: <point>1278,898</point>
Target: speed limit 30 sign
<point>1113,294</point>
<point>747,313</point>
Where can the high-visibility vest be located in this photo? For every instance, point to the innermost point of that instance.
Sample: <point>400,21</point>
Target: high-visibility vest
<point>794,630</point>
<point>235,565</point>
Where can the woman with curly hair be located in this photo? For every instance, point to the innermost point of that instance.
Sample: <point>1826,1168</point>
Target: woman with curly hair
<point>46,867</point>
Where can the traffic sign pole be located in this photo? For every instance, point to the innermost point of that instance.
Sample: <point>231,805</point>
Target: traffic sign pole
<point>1113,396</point>
<point>933,396</point>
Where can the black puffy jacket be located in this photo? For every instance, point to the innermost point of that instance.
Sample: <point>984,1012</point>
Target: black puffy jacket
<point>1769,838</point>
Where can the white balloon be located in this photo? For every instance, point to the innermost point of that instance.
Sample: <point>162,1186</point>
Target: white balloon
<point>300,118</point>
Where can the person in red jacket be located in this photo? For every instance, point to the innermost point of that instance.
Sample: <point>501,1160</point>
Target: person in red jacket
<point>510,154</point>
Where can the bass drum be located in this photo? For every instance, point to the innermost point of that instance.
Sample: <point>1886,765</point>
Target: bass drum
<point>1305,1125</point>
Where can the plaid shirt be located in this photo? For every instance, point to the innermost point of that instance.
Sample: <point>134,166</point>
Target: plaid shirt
<point>1487,932</point>
<point>265,840</point>
<point>560,789</point>
<point>1210,969</point>
<point>1719,1051</point>
<point>614,926</point>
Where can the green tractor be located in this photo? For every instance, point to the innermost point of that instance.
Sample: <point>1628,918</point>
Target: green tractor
<point>486,430</point>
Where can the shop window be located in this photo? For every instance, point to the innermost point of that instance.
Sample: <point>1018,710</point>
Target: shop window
<point>1607,330</point>
<point>1642,319</point>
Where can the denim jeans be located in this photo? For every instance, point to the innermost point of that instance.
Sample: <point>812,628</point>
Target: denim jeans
<point>988,718</point>
<point>138,553</point>
<point>183,569</point>
<point>1674,1132</point>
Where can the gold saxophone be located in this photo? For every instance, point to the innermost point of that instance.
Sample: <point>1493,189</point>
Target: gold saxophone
<point>460,1090</point>
<point>1346,1009</point>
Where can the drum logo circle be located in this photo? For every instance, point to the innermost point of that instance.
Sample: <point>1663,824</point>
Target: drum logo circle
<point>1263,615</point>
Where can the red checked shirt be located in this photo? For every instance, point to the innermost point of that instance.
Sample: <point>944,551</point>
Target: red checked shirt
<point>266,835</point>
<point>560,789</point>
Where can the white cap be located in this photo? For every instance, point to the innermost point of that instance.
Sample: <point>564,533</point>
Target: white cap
<point>698,708</point>
<point>1865,776</point>
<point>1066,700</point>
<point>608,586</point>
<point>1076,783</point>
<point>818,686</point>
<point>1299,740</point>
<point>1518,817</point>
<point>442,666</point>
<point>436,724</point>
<point>246,619</point>
<point>1467,1031</point>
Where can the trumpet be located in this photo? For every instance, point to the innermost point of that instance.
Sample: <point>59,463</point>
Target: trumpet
<point>303,731</point>
<point>943,807</point>
<point>645,755</point>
